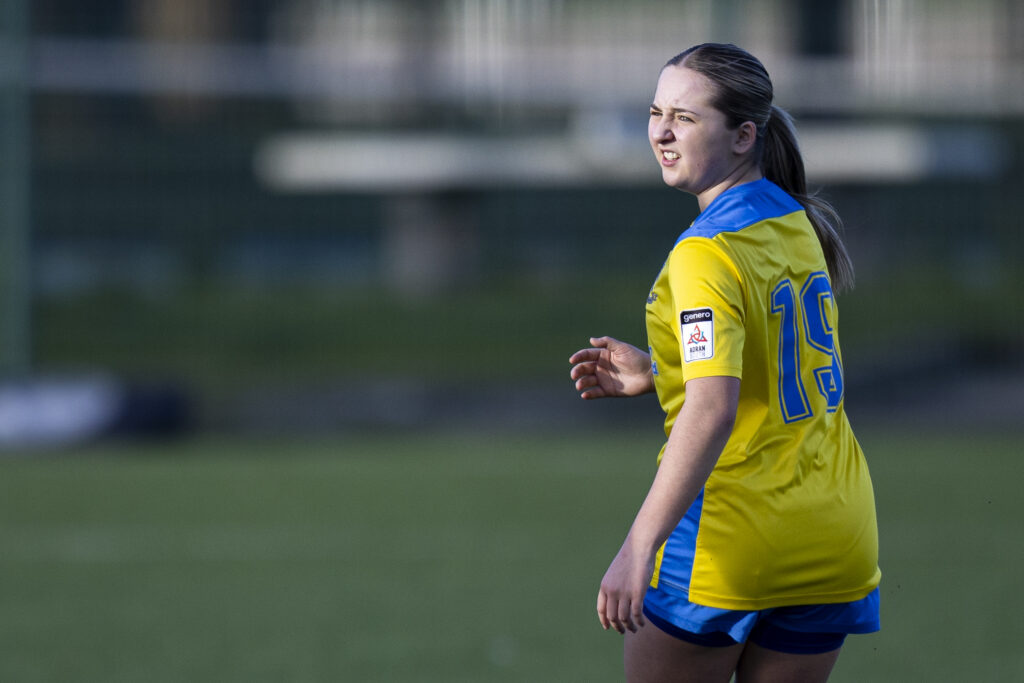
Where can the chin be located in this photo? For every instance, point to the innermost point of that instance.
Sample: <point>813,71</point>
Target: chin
<point>673,180</point>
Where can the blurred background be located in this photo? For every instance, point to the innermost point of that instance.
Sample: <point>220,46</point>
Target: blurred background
<point>287,214</point>
<point>350,232</point>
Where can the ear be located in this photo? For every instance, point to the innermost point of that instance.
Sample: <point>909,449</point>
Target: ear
<point>744,137</point>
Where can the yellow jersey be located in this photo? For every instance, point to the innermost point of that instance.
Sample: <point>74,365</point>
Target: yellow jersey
<point>787,516</point>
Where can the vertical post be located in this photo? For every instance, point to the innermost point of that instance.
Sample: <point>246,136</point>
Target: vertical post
<point>15,161</point>
<point>820,27</point>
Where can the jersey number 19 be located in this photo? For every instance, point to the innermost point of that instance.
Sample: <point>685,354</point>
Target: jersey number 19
<point>810,310</point>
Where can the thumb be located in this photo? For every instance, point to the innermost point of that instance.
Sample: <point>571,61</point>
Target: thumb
<point>602,342</point>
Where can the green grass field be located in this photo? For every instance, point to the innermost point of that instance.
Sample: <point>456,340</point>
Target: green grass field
<point>440,558</point>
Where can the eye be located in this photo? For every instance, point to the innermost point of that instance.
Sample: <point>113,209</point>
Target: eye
<point>655,112</point>
<point>684,117</point>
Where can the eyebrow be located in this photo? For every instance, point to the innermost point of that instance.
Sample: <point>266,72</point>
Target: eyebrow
<point>674,110</point>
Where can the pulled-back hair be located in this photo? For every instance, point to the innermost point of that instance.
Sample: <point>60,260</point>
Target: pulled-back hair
<point>743,92</point>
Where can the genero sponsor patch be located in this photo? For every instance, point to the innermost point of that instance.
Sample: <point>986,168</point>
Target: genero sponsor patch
<point>698,326</point>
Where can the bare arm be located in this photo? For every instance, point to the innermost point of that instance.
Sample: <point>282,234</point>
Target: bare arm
<point>611,368</point>
<point>698,436</point>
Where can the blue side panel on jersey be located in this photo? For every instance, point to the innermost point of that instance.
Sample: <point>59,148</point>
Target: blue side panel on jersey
<point>681,546</point>
<point>740,207</point>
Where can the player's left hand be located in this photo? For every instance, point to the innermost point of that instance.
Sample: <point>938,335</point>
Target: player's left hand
<point>621,598</point>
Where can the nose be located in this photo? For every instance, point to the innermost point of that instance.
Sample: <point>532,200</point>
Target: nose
<point>661,131</point>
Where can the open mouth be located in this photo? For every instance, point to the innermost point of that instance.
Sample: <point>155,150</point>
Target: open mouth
<point>669,155</point>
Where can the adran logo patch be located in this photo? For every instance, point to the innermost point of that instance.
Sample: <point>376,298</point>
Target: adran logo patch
<point>698,327</point>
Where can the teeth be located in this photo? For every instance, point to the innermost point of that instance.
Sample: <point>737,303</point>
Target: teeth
<point>671,156</point>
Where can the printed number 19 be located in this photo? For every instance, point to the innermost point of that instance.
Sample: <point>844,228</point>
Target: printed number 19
<point>814,297</point>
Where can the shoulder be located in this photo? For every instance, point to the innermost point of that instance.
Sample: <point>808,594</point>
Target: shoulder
<point>700,259</point>
<point>741,207</point>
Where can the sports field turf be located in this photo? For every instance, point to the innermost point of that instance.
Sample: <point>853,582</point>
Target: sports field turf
<point>440,558</point>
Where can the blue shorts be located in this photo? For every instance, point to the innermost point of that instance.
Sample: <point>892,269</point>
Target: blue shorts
<point>801,629</point>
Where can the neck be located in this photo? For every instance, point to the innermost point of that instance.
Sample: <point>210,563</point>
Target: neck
<point>741,175</point>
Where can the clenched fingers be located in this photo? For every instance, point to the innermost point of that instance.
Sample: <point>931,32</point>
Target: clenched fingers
<point>621,614</point>
<point>602,605</point>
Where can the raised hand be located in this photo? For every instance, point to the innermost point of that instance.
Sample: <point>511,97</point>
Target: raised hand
<point>611,368</point>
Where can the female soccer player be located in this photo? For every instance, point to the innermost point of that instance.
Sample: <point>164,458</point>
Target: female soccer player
<point>755,550</point>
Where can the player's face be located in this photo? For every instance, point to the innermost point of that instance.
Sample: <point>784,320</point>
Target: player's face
<point>689,137</point>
